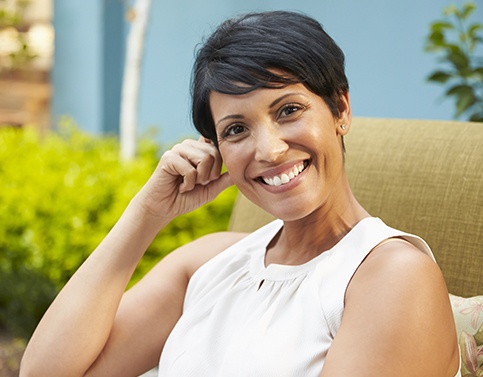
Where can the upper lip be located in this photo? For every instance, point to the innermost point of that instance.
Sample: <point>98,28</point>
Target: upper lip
<point>279,170</point>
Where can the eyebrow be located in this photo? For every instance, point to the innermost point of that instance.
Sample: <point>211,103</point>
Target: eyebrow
<point>274,103</point>
<point>231,116</point>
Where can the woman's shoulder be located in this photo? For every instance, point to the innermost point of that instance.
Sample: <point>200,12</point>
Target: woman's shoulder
<point>198,252</point>
<point>396,265</point>
<point>397,308</point>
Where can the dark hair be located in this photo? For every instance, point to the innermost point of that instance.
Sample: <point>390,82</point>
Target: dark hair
<point>266,50</point>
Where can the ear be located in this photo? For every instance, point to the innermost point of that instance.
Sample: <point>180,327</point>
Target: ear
<point>344,121</point>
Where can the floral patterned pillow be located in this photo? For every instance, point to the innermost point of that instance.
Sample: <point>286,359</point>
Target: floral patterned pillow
<point>468,313</point>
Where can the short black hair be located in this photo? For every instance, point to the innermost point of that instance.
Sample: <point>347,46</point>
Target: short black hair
<point>266,50</point>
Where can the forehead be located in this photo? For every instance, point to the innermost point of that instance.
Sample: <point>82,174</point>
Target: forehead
<point>221,103</point>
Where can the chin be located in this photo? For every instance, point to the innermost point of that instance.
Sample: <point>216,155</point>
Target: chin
<point>287,212</point>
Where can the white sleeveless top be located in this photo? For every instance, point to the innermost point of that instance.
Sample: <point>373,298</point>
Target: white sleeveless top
<point>242,319</point>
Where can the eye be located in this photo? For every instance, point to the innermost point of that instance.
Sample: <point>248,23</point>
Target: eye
<point>289,109</point>
<point>233,130</point>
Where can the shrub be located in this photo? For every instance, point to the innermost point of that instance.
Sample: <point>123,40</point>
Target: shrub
<point>457,41</point>
<point>60,194</point>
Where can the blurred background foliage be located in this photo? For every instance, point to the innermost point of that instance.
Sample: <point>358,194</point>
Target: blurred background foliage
<point>456,39</point>
<point>13,23</point>
<point>60,194</point>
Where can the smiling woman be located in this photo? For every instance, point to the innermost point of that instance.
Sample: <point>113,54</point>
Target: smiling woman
<point>321,291</point>
<point>279,131</point>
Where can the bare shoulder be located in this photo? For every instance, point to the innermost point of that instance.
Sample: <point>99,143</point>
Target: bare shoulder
<point>179,265</point>
<point>403,263</point>
<point>398,314</point>
<point>397,274</point>
<point>396,267</point>
<point>196,253</point>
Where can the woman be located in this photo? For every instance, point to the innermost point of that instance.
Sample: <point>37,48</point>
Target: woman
<point>325,291</point>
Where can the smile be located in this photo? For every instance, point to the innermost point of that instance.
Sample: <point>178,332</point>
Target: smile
<point>285,177</point>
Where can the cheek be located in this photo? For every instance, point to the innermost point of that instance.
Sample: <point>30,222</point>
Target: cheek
<point>237,162</point>
<point>231,159</point>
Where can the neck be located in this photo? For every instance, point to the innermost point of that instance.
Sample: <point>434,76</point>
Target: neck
<point>304,239</point>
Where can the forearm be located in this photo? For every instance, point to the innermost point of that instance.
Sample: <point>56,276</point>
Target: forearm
<point>76,327</point>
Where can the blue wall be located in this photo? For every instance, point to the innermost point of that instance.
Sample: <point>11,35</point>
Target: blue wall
<point>383,41</point>
<point>88,62</point>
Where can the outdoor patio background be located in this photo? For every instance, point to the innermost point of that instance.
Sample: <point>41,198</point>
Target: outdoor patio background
<point>383,41</point>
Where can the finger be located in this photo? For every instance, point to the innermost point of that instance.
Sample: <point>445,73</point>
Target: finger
<point>209,167</point>
<point>179,168</point>
<point>204,156</point>
<point>223,182</point>
<point>204,140</point>
<point>217,164</point>
<point>215,169</point>
<point>214,188</point>
<point>189,180</point>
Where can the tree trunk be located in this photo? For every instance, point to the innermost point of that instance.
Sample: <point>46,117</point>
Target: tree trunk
<point>131,80</point>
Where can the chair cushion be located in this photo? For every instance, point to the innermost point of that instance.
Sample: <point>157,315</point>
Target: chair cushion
<point>468,314</point>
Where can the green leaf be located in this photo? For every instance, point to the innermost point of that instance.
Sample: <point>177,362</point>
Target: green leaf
<point>454,48</point>
<point>478,71</point>
<point>466,72</point>
<point>436,37</point>
<point>450,10</point>
<point>476,117</point>
<point>440,26</point>
<point>476,74</point>
<point>439,76</point>
<point>439,45</point>
<point>468,8</point>
<point>464,102</point>
<point>473,29</point>
<point>458,59</point>
<point>460,90</point>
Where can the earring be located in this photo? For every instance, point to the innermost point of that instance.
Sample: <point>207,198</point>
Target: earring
<point>343,127</point>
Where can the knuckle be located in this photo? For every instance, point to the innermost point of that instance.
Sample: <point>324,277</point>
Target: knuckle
<point>167,155</point>
<point>191,173</point>
<point>208,158</point>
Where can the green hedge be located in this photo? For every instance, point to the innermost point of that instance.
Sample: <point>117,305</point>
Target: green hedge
<point>60,193</point>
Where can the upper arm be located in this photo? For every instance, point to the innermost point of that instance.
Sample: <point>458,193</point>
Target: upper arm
<point>397,319</point>
<point>150,309</point>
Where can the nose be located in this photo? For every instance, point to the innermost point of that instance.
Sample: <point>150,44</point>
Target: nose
<point>270,144</point>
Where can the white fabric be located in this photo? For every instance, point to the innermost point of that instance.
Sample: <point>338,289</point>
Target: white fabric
<point>241,318</point>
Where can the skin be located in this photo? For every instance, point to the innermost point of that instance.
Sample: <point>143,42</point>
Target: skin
<point>397,318</point>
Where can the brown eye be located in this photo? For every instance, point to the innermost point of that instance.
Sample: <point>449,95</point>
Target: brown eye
<point>234,130</point>
<point>237,129</point>
<point>289,109</point>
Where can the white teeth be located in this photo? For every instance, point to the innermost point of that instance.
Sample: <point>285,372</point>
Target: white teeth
<point>285,177</point>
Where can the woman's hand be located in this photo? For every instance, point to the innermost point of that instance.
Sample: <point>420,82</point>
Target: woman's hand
<point>187,176</point>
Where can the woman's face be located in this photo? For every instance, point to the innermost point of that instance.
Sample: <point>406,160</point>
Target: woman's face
<point>282,148</point>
